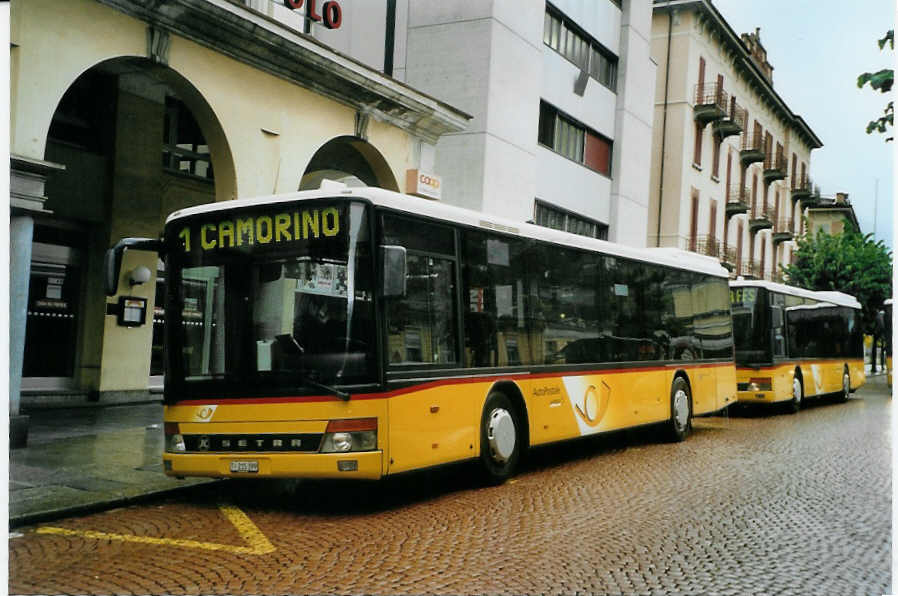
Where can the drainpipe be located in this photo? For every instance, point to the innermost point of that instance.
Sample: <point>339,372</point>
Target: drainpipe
<point>664,121</point>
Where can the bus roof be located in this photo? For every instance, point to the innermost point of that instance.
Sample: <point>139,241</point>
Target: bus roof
<point>837,298</point>
<point>670,257</point>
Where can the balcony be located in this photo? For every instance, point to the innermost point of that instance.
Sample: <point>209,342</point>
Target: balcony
<point>708,246</point>
<point>812,200</point>
<point>751,149</point>
<point>802,189</point>
<point>728,257</point>
<point>782,230</point>
<point>737,200</point>
<point>710,102</point>
<point>747,268</point>
<point>774,167</point>
<point>761,218</point>
<point>733,123</point>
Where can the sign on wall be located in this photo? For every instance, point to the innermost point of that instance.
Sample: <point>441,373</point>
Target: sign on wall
<point>331,13</point>
<point>423,184</point>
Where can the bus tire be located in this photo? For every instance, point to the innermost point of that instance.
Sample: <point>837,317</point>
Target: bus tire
<point>500,438</point>
<point>797,395</point>
<point>845,393</point>
<point>680,422</point>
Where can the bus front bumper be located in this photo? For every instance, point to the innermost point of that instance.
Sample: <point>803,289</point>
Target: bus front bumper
<point>367,465</point>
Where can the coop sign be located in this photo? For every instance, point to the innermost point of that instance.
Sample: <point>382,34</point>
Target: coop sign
<point>289,226</point>
<point>331,14</point>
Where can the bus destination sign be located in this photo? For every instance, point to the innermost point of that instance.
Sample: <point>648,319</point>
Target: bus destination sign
<point>287,226</point>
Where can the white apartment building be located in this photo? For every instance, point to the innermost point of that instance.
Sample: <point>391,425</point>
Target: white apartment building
<point>730,160</point>
<point>559,92</point>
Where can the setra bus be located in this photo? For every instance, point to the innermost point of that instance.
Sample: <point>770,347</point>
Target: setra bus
<point>887,330</point>
<point>360,333</point>
<point>793,343</point>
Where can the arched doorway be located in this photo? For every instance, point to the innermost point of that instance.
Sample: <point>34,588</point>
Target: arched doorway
<point>350,160</point>
<point>137,142</point>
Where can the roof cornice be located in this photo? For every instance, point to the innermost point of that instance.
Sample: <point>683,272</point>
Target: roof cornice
<point>708,14</point>
<point>235,30</point>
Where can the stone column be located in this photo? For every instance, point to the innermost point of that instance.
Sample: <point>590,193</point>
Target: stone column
<point>26,199</point>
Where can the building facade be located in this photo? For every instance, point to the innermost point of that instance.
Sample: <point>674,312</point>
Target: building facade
<point>832,215</point>
<point>123,111</point>
<point>730,160</point>
<point>559,93</point>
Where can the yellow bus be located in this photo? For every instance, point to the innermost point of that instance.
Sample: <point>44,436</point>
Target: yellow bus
<point>887,327</point>
<point>792,344</point>
<point>358,333</point>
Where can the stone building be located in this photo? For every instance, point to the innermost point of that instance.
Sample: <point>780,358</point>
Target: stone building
<point>730,160</point>
<point>123,111</point>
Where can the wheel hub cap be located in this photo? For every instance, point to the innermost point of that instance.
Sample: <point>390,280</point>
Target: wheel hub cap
<point>681,408</point>
<point>501,435</point>
<point>796,391</point>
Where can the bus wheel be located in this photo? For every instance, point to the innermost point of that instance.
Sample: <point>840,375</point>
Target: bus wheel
<point>499,438</point>
<point>680,410</point>
<point>846,387</point>
<point>797,395</point>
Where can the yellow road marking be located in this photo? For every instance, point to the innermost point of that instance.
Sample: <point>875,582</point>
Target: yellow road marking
<point>258,543</point>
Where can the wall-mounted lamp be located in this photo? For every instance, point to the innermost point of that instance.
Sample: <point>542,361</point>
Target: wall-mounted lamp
<point>140,275</point>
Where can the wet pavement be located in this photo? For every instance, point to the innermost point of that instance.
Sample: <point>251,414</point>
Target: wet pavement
<point>88,458</point>
<point>759,502</point>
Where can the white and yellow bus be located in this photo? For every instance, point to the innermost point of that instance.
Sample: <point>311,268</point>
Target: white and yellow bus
<point>887,329</point>
<point>792,344</point>
<point>360,333</point>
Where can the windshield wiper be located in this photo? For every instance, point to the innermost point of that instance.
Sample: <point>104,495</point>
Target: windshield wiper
<point>341,394</point>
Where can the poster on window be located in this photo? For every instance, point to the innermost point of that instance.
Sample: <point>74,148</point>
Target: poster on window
<point>326,279</point>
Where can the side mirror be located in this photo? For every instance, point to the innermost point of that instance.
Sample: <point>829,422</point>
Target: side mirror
<point>394,272</point>
<point>112,264</point>
<point>776,316</point>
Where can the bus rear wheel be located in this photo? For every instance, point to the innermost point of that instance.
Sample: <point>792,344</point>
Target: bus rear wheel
<point>797,395</point>
<point>500,438</point>
<point>680,422</point>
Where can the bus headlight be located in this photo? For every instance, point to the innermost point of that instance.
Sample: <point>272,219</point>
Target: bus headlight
<point>357,434</point>
<point>174,440</point>
<point>175,444</point>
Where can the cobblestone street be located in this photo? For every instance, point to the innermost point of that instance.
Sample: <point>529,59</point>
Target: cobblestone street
<point>754,503</point>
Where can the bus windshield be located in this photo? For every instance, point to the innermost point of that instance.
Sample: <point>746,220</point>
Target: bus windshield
<point>271,301</point>
<point>750,325</point>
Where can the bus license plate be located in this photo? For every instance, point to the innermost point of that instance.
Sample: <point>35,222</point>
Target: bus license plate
<point>244,466</point>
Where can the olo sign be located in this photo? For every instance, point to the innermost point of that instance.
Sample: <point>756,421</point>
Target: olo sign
<point>331,14</point>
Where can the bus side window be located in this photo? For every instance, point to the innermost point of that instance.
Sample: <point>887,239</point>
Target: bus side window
<point>495,294</point>
<point>422,326</point>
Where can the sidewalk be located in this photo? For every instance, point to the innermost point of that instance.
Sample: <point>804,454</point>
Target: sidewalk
<point>89,458</point>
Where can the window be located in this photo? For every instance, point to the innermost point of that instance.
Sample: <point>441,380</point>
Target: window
<point>184,149</point>
<point>421,326</point>
<point>573,140</point>
<point>563,36</point>
<point>496,292</point>
<point>553,217</point>
<point>697,147</point>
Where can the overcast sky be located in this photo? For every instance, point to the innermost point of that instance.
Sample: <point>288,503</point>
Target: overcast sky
<point>817,49</point>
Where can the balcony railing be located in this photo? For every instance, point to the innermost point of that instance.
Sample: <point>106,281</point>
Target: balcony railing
<point>729,256</point>
<point>774,166</point>
<point>802,188</point>
<point>710,102</point>
<point>709,246</point>
<point>751,149</point>
<point>761,218</point>
<point>782,230</point>
<point>733,122</point>
<point>737,200</point>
